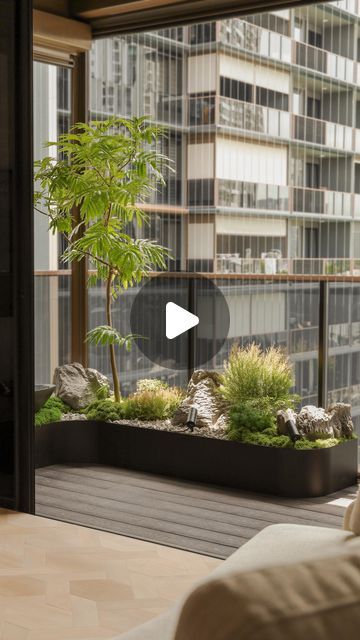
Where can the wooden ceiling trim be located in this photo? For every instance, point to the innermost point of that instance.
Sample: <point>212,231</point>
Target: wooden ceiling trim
<point>126,16</point>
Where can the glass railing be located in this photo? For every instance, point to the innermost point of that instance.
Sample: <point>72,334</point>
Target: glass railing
<point>52,291</point>
<point>232,263</point>
<point>323,132</point>
<point>309,129</point>
<point>324,61</point>
<point>322,201</point>
<point>234,194</point>
<point>351,6</point>
<point>340,68</point>
<point>339,136</point>
<point>201,111</point>
<point>357,140</point>
<point>357,205</point>
<point>250,195</point>
<point>253,117</point>
<point>269,308</point>
<point>249,37</point>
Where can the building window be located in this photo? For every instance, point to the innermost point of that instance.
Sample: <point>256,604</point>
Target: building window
<point>272,99</point>
<point>236,90</point>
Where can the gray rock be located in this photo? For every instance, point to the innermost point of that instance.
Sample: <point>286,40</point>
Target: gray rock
<point>341,419</point>
<point>314,423</point>
<point>202,393</point>
<point>78,386</point>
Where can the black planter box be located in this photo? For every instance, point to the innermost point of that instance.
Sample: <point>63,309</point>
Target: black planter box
<point>283,472</point>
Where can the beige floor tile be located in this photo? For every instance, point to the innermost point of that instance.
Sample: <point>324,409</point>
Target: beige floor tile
<point>63,582</point>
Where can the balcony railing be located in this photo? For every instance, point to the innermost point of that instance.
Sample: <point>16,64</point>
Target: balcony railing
<point>201,110</point>
<point>357,205</point>
<point>234,194</point>
<point>253,117</point>
<point>323,132</point>
<point>331,64</point>
<point>268,308</point>
<point>249,37</point>
<point>322,201</point>
<point>233,263</point>
<point>351,6</point>
<point>250,195</point>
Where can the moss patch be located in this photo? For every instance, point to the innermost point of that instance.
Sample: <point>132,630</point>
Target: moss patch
<point>52,411</point>
<point>250,425</point>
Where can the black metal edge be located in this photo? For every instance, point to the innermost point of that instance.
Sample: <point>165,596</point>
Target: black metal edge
<point>22,260</point>
<point>286,472</point>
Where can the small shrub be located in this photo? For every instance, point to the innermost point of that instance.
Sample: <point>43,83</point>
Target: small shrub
<point>152,405</point>
<point>52,411</point>
<point>263,378</point>
<point>247,418</point>
<point>151,384</point>
<point>157,404</point>
<point>104,410</point>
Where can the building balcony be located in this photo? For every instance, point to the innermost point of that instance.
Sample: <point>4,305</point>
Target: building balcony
<point>232,194</point>
<point>321,201</point>
<point>233,263</point>
<point>323,61</point>
<point>329,134</point>
<point>357,205</point>
<point>350,6</point>
<point>357,140</point>
<point>249,195</point>
<point>253,117</point>
<point>253,39</point>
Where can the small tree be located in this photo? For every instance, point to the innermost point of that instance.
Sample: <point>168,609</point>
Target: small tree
<point>91,193</point>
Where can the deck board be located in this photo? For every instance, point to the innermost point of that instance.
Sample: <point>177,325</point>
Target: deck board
<point>202,518</point>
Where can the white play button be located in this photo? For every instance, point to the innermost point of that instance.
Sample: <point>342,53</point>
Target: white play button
<point>178,320</point>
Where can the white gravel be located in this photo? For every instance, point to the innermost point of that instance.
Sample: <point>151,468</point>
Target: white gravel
<point>160,425</point>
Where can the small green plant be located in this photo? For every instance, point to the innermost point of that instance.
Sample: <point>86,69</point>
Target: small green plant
<point>151,384</point>
<point>262,378</point>
<point>158,403</point>
<point>103,392</point>
<point>52,411</point>
<point>152,405</point>
<point>247,418</point>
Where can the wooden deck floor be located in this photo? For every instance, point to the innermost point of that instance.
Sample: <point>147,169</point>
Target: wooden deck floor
<point>201,518</point>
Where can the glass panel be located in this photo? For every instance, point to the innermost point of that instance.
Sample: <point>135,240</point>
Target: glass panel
<point>52,116</point>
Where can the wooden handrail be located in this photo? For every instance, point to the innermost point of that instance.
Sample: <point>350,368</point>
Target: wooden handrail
<point>277,277</point>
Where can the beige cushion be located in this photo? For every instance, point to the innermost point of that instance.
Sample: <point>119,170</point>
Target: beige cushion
<point>319,600</point>
<point>277,544</point>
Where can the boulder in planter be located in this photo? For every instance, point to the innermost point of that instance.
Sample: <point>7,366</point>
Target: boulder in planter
<point>78,386</point>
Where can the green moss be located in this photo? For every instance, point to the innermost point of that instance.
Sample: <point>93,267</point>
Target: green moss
<point>250,425</point>
<point>318,444</point>
<point>104,410</point>
<point>52,411</point>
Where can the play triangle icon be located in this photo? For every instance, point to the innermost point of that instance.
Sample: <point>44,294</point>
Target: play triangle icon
<point>178,320</point>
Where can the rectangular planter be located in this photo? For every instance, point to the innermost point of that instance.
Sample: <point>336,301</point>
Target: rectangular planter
<point>283,472</point>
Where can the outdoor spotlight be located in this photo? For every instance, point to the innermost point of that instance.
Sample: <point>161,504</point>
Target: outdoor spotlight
<point>191,419</point>
<point>292,430</point>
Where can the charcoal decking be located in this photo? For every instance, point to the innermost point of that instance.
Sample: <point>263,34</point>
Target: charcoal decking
<point>201,518</point>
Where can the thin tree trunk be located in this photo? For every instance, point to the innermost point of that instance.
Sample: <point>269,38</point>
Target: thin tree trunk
<point>114,370</point>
